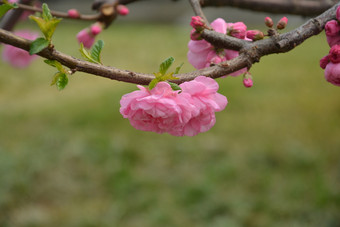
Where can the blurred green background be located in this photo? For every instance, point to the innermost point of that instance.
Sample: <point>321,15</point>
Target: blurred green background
<point>69,158</point>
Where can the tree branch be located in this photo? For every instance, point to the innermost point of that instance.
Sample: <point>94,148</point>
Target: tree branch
<point>250,52</point>
<point>298,7</point>
<point>59,14</point>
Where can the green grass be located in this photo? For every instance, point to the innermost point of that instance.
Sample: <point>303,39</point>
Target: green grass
<point>69,159</point>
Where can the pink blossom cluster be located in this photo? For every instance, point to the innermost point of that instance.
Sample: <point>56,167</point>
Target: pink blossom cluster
<point>87,36</point>
<point>17,57</point>
<point>202,54</point>
<point>162,109</point>
<point>331,62</point>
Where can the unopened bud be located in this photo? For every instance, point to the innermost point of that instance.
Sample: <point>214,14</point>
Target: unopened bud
<point>255,35</point>
<point>269,22</point>
<point>73,13</point>
<point>282,23</point>
<point>247,80</point>
<point>197,23</point>
<point>338,13</point>
<point>122,10</point>
<point>334,54</point>
<point>96,29</point>
<point>237,30</point>
<point>195,35</point>
<point>324,62</point>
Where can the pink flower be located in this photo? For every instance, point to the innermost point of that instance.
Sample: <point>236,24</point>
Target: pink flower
<point>332,73</point>
<point>334,54</point>
<point>202,54</point>
<point>159,110</point>
<point>163,110</point>
<point>73,13</point>
<point>269,22</point>
<point>248,82</point>
<point>204,96</point>
<point>17,57</point>
<point>237,30</point>
<point>332,29</point>
<point>324,61</point>
<point>282,23</point>
<point>122,10</point>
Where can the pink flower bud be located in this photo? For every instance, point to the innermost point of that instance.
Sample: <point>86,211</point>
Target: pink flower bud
<point>332,29</point>
<point>122,10</point>
<point>96,29</point>
<point>73,13</point>
<point>324,61</point>
<point>248,82</point>
<point>332,73</point>
<point>255,35</point>
<point>237,30</point>
<point>85,37</point>
<point>334,54</point>
<point>269,22</point>
<point>282,23</point>
<point>197,23</point>
<point>194,35</point>
<point>338,13</point>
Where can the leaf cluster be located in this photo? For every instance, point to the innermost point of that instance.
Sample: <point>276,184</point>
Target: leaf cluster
<point>47,24</point>
<point>94,54</point>
<point>162,75</point>
<point>60,78</point>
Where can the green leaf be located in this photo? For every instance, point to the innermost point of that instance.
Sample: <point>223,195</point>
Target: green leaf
<point>38,45</point>
<point>46,27</point>
<point>46,14</point>
<point>86,54</point>
<point>153,83</point>
<point>4,8</point>
<point>96,50</point>
<point>166,65</point>
<point>178,68</point>
<point>174,86</point>
<point>56,64</point>
<point>60,80</point>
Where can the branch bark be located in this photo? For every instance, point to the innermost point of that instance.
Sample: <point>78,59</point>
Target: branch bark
<point>298,7</point>
<point>250,52</point>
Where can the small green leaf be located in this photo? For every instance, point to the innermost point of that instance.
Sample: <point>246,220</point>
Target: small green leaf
<point>178,68</point>
<point>60,80</point>
<point>55,78</point>
<point>96,50</point>
<point>153,83</point>
<point>56,64</point>
<point>174,86</point>
<point>5,7</point>
<point>86,54</point>
<point>38,45</point>
<point>46,27</point>
<point>166,65</point>
<point>46,14</point>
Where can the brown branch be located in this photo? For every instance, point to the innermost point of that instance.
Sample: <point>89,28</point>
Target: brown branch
<point>92,17</point>
<point>298,7</point>
<point>11,18</point>
<point>250,52</point>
